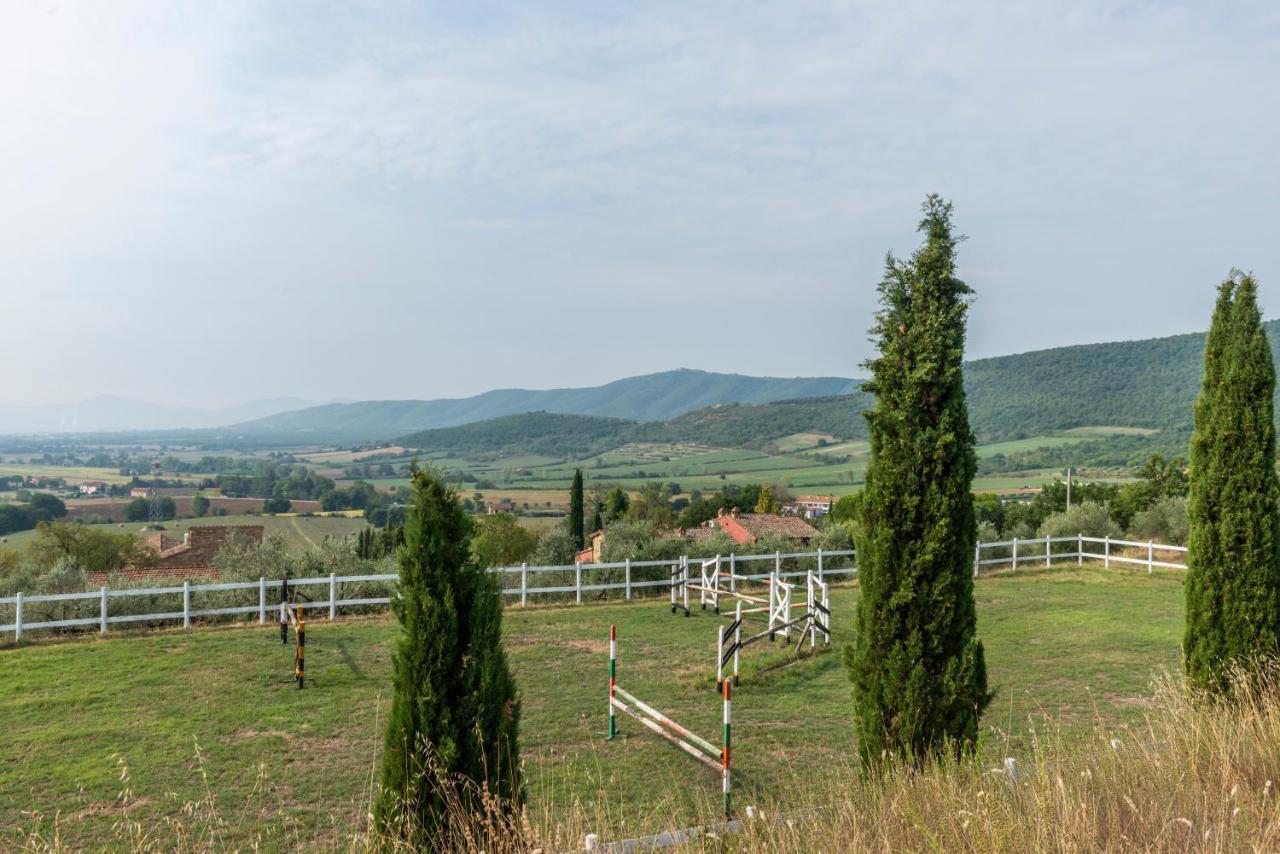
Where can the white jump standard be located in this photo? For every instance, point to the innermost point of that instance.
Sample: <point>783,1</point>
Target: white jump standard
<point>815,620</point>
<point>696,746</point>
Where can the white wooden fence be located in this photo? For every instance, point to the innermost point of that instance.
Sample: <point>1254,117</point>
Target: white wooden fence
<point>515,581</point>
<point>1045,550</point>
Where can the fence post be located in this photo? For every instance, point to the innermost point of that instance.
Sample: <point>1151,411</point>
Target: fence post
<point>577,582</point>
<point>819,564</point>
<point>102,612</point>
<point>186,603</point>
<point>17,619</point>
<point>333,595</point>
<point>524,584</point>
<point>777,563</point>
<point>733,573</point>
<point>1106,551</point>
<point>628,579</point>
<point>1079,549</point>
<point>977,552</point>
<point>262,599</point>
<point>1150,557</point>
<point>1048,550</point>
<point>1015,554</point>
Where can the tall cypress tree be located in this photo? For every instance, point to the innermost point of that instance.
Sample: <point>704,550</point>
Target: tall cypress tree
<point>1233,557</point>
<point>917,667</point>
<point>597,516</point>
<point>576,520</point>
<point>454,714</point>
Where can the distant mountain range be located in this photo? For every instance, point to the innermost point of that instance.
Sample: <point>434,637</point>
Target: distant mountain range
<point>652,397</point>
<point>106,413</point>
<point>1150,383</point>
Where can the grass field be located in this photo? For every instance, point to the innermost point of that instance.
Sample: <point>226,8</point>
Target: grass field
<point>1100,432</point>
<point>802,441</point>
<point>1063,642</point>
<point>1017,446</point>
<point>72,474</point>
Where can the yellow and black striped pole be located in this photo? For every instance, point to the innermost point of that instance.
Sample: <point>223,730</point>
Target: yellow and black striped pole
<point>300,657</point>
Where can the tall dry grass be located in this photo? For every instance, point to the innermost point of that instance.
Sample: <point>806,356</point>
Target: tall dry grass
<point>1200,775</point>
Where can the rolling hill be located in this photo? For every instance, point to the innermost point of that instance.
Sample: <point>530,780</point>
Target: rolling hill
<point>652,397</point>
<point>1132,384</point>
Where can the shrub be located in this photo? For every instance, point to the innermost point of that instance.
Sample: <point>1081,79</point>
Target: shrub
<point>1164,522</point>
<point>1090,519</point>
<point>555,548</point>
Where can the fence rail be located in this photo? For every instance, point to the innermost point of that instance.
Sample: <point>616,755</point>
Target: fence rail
<point>1042,552</point>
<point>514,582</point>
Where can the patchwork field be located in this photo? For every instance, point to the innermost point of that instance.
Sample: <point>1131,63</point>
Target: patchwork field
<point>299,532</point>
<point>213,715</point>
<point>798,462</point>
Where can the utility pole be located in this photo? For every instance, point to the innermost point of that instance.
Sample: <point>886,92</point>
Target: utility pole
<point>1068,487</point>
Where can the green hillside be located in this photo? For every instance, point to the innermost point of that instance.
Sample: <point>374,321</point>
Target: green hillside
<point>533,433</point>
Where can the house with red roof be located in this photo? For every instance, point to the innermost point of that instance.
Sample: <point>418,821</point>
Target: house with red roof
<point>748,528</point>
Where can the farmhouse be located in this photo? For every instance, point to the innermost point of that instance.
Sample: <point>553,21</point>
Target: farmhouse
<point>93,487</point>
<point>592,553</point>
<point>748,528</point>
<point>502,505</point>
<point>190,557</point>
<point>810,506</point>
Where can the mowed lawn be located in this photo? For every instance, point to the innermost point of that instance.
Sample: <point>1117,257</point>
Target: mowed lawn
<point>1079,645</point>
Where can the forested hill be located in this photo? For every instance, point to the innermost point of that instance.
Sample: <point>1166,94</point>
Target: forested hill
<point>1151,383</point>
<point>547,433</point>
<point>653,397</point>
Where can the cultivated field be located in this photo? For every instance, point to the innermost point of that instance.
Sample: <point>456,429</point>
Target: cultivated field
<point>797,462</point>
<point>300,532</point>
<point>72,474</point>
<point>1080,645</point>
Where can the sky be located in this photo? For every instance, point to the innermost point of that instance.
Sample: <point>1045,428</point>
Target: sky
<point>207,203</point>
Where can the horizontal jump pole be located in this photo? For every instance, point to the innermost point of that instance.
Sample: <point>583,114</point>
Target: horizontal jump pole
<point>695,752</point>
<point>755,600</point>
<point>748,641</point>
<point>667,722</point>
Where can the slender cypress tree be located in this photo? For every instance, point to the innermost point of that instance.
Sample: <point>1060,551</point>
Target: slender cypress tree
<point>917,667</point>
<point>597,517</point>
<point>1233,557</point>
<point>455,714</point>
<point>576,520</point>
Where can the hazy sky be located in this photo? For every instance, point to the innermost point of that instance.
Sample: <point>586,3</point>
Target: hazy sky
<point>210,202</point>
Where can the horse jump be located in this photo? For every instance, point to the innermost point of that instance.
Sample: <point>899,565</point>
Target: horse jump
<point>696,746</point>
<point>815,620</point>
<point>716,584</point>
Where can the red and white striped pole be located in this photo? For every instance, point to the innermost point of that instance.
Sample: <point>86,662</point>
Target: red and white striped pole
<point>724,753</point>
<point>613,678</point>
